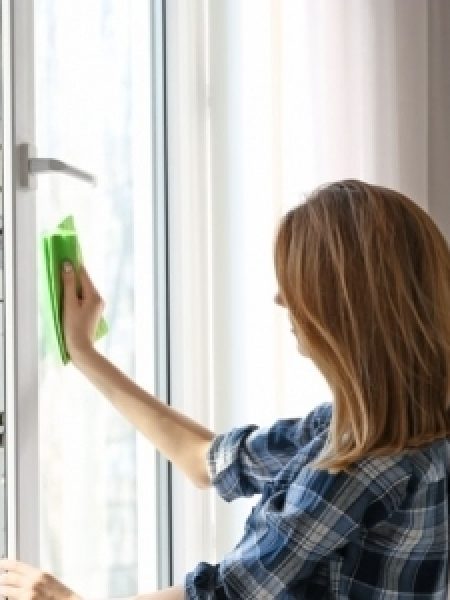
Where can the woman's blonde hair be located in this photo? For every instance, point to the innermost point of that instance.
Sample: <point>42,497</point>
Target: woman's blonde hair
<point>365,275</point>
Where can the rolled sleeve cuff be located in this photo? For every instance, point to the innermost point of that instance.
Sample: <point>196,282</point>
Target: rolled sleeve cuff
<point>224,463</point>
<point>203,583</point>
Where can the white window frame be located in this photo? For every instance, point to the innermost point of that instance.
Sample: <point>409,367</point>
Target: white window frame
<point>20,290</point>
<point>20,294</point>
<point>190,274</point>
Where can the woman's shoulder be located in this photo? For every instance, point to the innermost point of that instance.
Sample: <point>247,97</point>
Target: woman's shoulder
<point>305,428</point>
<point>322,416</point>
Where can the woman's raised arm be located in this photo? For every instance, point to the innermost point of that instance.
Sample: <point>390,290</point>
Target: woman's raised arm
<point>180,439</point>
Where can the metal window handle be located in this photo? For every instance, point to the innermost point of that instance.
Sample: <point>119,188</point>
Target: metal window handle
<point>42,165</point>
<point>31,166</point>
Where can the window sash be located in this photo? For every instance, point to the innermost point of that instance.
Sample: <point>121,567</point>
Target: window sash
<point>20,292</point>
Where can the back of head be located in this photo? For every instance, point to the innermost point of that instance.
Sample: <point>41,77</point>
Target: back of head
<point>365,274</point>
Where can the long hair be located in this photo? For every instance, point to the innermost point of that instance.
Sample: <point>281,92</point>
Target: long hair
<point>365,275</point>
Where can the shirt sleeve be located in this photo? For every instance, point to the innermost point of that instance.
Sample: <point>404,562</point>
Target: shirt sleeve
<point>243,460</point>
<point>304,525</point>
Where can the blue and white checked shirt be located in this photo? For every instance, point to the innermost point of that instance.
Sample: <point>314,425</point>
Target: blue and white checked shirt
<point>382,532</point>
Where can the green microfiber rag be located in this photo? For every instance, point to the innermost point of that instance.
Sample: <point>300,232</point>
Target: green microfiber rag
<point>59,246</point>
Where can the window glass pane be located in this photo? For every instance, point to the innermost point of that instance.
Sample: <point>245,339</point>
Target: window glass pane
<point>92,78</point>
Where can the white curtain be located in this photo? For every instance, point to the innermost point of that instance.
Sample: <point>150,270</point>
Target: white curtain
<point>267,99</point>
<point>439,113</point>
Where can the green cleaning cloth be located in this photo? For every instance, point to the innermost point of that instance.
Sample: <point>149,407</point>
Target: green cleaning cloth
<point>59,246</point>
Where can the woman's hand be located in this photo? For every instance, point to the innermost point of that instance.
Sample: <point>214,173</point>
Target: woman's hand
<point>80,314</point>
<point>23,582</point>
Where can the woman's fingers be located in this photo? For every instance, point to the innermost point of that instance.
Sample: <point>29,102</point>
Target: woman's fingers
<point>11,592</point>
<point>89,293</point>
<point>69,283</point>
<point>16,579</point>
<point>24,582</point>
<point>16,566</point>
<point>88,288</point>
<point>81,315</point>
<point>13,579</point>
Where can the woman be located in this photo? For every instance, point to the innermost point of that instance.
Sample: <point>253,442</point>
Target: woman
<point>354,496</point>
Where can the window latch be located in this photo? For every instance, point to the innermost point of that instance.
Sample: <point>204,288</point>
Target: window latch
<point>30,166</point>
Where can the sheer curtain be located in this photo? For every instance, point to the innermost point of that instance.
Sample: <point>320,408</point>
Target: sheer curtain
<point>269,99</point>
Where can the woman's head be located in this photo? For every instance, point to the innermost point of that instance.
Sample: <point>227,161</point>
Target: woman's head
<point>365,275</point>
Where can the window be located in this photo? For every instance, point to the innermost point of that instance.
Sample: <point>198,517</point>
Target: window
<point>93,110</point>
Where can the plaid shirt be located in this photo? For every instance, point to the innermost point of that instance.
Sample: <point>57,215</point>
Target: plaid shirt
<point>382,532</point>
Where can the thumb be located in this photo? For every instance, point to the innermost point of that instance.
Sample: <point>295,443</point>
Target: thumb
<point>69,283</point>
